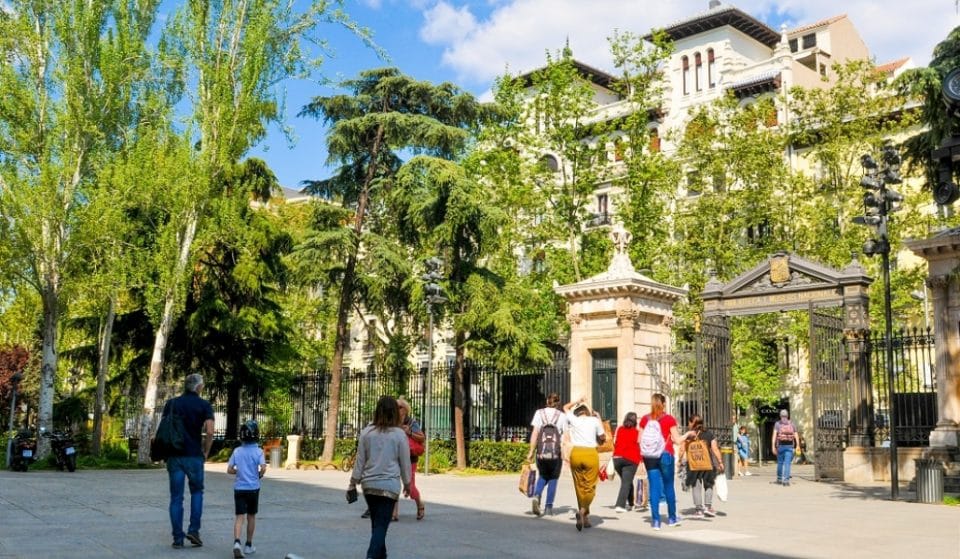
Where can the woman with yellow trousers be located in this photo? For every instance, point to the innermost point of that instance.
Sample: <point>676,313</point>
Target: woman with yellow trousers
<point>586,432</point>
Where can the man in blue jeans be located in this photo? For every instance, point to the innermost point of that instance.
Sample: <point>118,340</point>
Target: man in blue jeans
<point>785,442</point>
<point>197,417</point>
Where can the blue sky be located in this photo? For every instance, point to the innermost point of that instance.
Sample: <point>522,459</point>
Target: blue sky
<point>471,42</point>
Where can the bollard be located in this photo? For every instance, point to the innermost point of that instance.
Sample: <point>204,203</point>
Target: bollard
<point>275,458</point>
<point>929,480</point>
<point>729,461</point>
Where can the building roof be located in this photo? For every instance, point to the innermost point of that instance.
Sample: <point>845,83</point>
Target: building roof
<point>719,16</point>
<point>818,24</point>
<point>893,65</point>
<point>759,83</point>
<point>594,75</point>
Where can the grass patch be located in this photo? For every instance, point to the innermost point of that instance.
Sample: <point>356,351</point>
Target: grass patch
<point>952,500</point>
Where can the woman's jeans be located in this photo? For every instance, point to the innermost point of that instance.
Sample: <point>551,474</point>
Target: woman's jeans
<point>626,470</point>
<point>784,459</point>
<point>660,474</point>
<point>381,511</point>
<point>179,470</point>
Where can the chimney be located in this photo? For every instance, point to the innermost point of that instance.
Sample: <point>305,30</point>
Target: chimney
<point>714,4</point>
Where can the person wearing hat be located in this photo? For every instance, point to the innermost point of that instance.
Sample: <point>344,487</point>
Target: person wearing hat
<point>586,432</point>
<point>785,442</point>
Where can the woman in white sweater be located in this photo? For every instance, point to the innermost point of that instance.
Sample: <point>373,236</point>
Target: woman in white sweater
<point>383,469</point>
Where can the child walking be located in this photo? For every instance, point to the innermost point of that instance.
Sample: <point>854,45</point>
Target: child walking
<point>248,463</point>
<point>743,452</point>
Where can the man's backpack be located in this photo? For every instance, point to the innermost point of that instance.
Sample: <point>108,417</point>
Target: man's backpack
<point>652,443</point>
<point>548,440</point>
<point>786,433</point>
<point>170,439</point>
<point>698,456</point>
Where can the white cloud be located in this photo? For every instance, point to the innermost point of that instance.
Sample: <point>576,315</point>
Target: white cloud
<point>445,24</point>
<point>515,34</point>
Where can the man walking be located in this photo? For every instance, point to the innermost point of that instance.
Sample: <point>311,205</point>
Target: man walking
<point>196,414</point>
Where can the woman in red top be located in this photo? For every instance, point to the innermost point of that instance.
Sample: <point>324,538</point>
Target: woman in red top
<point>658,458</point>
<point>626,457</point>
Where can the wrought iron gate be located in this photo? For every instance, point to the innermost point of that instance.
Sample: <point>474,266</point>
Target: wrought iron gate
<point>714,355</point>
<point>830,394</point>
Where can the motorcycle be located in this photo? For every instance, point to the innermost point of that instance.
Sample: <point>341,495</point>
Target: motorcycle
<point>24,450</point>
<point>63,448</point>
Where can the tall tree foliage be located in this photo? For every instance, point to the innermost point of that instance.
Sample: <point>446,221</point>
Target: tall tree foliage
<point>74,77</point>
<point>383,113</point>
<point>231,55</point>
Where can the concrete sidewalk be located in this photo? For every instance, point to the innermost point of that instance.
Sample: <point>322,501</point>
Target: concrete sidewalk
<point>106,514</point>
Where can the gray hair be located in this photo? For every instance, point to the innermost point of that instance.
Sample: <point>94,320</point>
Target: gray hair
<point>194,382</point>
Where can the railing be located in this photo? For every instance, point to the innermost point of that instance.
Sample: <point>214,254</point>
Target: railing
<point>914,386</point>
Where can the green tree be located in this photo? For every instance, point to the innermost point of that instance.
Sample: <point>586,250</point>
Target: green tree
<point>230,55</point>
<point>74,92</point>
<point>384,113</point>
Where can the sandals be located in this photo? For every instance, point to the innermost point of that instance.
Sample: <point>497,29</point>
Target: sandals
<point>420,512</point>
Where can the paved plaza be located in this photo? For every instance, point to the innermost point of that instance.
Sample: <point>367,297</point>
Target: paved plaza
<point>107,514</point>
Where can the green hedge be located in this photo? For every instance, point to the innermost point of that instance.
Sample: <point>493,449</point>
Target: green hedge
<point>483,455</point>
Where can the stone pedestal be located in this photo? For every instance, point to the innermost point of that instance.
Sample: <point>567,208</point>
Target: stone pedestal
<point>942,253</point>
<point>624,310</point>
<point>293,452</point>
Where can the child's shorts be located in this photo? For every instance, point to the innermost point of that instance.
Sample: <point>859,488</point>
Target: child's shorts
<point>246,501</point>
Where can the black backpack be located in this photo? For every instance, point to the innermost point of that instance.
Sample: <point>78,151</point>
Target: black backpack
<point>548,440</point>
<point>170,439</point>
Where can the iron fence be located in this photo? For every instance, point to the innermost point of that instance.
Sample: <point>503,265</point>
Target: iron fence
<point>914,386</point>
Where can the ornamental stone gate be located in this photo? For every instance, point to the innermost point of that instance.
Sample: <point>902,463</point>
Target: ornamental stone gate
<point>841,394</point>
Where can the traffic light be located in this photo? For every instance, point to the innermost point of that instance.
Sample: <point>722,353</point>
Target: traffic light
<point>879,201</point>
<point>432,290</point>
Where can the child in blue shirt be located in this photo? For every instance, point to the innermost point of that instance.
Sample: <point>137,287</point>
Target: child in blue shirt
<point>248,463</point>
<point>743,452</point>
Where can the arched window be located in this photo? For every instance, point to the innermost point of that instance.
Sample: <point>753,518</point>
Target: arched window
<point>698,72</point>
<point>711,71</point>
<point>685,64</point>
<point>550,163</point>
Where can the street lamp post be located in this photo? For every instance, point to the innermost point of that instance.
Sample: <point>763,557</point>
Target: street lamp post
<point>879,201</point>
<point>15,382</point>
<point>434,296</point>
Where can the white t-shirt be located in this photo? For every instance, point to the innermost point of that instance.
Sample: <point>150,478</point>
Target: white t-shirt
<point>584,430</point>
<point>550,415</point>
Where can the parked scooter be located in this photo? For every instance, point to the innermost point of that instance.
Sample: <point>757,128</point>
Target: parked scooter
<point>63,448</point>
<point>24,450</point>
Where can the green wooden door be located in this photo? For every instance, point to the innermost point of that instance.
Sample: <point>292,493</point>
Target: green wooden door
<point>605,382</point>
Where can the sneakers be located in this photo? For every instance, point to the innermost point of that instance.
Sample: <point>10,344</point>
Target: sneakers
<point>641,508</point>
<point>709,512</point>
<point>698,513</point>
<point>177,545</point>
<point>535,505</point>
<point>237,550</point>
<point>673,522</point>
<point>548,511</point>
<point>194,538</point>
<point>747,474</point>
<point>366,514</point>
<point>740,474</point>
<point>249,549</point>
<point>656,525</point>
<point>786,484</point>
<point>620,510</point>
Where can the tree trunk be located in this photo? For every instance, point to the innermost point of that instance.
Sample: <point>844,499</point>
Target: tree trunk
<point>459,401</point>
<point>48,367</point>
<point>160,342</point>
<point>345,305</point>
<point>102,365</point>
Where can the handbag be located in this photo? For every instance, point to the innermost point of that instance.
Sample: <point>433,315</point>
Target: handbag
<point>611,469</point>
<point>528,480</point>
<point>720,486</point>
<point>698,456</point>
<point>607,445</point>
<point>416,447</point>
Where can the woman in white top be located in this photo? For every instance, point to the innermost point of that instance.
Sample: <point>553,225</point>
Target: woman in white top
<point>586,432</point>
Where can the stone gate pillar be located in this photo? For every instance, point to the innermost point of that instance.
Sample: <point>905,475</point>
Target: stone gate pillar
<point>942,253</point>
<point>624,310</point>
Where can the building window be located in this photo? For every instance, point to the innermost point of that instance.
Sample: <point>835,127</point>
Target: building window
<point>685,63</point>
<point>619,149</point>
<point>810,41</point>
<point>711,68</point>
<point>550,163</point>
<point>823,69</point>
<point>793,45</point>
<point>602,205</point>
<point>654,141</point>
<point>698,76</point>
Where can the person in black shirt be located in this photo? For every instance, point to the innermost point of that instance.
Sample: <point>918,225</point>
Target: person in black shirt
<point>187,466</point>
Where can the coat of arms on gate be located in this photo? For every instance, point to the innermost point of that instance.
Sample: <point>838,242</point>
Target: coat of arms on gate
<point>779,269</point>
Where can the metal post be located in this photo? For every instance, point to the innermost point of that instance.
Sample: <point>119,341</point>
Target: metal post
<point>888,341</point>
<point>15,381</point>
<point>427,399</point>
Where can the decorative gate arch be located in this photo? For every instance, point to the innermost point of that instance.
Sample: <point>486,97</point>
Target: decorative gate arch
<point>839,369</point>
